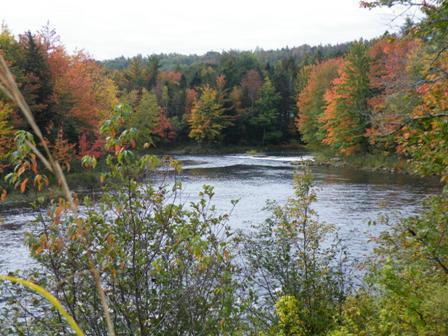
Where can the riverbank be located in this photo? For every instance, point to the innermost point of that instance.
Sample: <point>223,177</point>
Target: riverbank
<point>81,182</point>
<point>370,162</point>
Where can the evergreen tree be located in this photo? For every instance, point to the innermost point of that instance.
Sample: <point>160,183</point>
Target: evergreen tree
<point>153,70</point>
<point>284,81</point>
<point>266,111</point>
<point>38,84</point>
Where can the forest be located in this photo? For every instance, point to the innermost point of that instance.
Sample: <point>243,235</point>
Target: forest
<point>360,97</point>
<point>136,263</point>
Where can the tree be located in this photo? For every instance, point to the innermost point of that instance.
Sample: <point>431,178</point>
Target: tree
<point>284,79</point>
<point>38,83</point>
<point>311,101</point>
<point>6,135</point>
<point>392,85</point>
<point>137,74</point>
<point>10,49</point>
<point>83,95</point>
<point>347,115</point>
<point>266,112</point>
<point>423,135</point>
<point>153,70</point>
<point>207,118</point>
<point>165,129</point>
<point>146,116</point>
<point>252,83</point>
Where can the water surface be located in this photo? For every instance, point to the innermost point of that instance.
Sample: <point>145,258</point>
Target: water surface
<point>347,198</point>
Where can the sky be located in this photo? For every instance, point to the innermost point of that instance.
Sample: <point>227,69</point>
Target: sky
<point>108,29</point>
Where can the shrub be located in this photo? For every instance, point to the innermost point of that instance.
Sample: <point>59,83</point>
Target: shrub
<point>290,256</point>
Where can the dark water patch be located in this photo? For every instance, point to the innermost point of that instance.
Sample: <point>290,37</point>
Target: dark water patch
<point>10,227</point>
<point>187,163</point>
<point>236,171</point>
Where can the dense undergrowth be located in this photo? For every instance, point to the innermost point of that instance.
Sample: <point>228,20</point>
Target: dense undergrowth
<point>169,268</point>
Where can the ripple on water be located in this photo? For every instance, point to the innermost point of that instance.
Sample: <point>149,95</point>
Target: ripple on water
<point>347,198</point>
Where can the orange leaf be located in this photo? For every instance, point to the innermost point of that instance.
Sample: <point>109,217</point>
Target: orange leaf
<point>34,165</point>
<point>21,170</point>
<point>4,195</point>
<point>23,185</point>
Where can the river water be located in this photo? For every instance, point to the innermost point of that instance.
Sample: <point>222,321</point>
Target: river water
<point>347,198</point>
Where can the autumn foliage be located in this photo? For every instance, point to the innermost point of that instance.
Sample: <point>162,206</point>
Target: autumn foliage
<point>311,101</point>
<point>207,116</point>
<point>390,95</point>
<point>387,94</point>
<point>391,81</point>
<point>347,115</point>
<point>69,96</point>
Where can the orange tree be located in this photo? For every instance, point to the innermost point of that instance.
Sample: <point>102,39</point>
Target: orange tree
<point>311,103</point>
<point>347,114</point>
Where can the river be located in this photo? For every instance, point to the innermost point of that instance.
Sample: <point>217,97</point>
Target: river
<point>347,198</point>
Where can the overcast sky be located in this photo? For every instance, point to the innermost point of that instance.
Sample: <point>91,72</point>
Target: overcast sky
<point>111,28</point>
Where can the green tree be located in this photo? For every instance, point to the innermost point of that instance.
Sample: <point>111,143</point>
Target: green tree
<point>146,116</point>
<point>284,79</point>
<point>136,74</point>
<point>38,83</point>
<point>153,71</point>
<point>266,113</point>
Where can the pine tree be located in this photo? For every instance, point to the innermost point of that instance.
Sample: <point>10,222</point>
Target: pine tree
<point>38,86</point>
